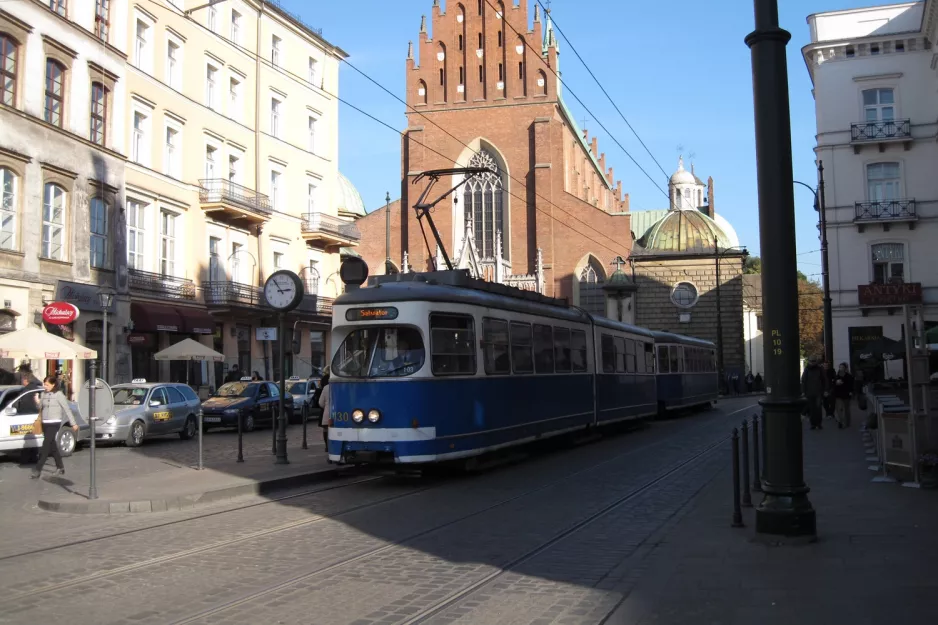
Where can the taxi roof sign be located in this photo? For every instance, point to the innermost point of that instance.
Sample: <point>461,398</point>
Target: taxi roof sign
<point>246,378</point>
<point>139,381</point>
<point>294,377</point>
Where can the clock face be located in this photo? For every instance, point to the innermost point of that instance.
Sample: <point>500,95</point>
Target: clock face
<point>281,291</point>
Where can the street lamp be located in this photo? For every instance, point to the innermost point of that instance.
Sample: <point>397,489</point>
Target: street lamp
<point>825,270</point>
<point>718,255</point>
<point>105,298</point>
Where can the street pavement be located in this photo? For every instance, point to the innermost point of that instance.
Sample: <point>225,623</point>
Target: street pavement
<point>635,525</point>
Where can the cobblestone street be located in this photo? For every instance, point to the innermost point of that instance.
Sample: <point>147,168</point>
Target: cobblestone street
<point>542,541</point>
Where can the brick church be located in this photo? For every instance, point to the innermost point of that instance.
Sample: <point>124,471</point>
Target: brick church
<point>482,91</point>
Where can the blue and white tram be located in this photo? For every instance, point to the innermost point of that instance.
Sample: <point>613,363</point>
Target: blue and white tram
<point>687,371</point>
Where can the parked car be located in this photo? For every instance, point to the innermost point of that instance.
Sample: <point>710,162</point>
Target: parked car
<point>145,409</point>
<point>302,391</point>
<point>255,402</point>
<point>18,410</point>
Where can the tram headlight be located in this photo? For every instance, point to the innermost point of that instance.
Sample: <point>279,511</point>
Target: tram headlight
<point>358,416</point>
<point>374,415</point>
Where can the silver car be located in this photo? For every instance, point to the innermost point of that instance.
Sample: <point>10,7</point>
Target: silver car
<point>145,409</point>
<point>18,409</point>
<point>303,391</point>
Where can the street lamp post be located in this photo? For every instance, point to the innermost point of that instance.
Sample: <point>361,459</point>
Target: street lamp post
<point>105,298</point>
<point>785,510</point>
<point>825,271</point>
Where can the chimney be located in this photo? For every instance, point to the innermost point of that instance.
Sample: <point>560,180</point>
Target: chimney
<point>625,201</point>
<point>595,146</point>
<point>710,209</point>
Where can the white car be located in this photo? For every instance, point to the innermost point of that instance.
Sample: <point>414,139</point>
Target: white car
<point>18,411</point>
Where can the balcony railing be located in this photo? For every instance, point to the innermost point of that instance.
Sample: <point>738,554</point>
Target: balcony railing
<point>158,284</point>
<point>886,210</point>
<point>332,227</point>
<point>225,293</point>
<point>881,130</point>
<point>316,305</point>
<point>221,191</point>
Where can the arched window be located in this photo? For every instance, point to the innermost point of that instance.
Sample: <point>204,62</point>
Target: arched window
<point>484,202</point>
<point>421,92</point>
<point>542,82</point>
<point>592,297</point>
<point>53,222</point>
<point>55,92</point>
<point>7,70</point>
<point>441,57</point>
<point>7,209</point>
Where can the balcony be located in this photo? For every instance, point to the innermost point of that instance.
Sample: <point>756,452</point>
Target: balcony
<point>329,230</point>
<point>158,285</point>
<point>886,212</point>
<point>228,294</point>
<point>881,133</point>
<point>230,199</point>
<point>315,305</point>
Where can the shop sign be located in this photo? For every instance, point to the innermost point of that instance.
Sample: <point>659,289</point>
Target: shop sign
<point>83,296</point>
<point>60,313</point>
<point>140,340</point>
<point>890,294</point>
<point>266,334</point>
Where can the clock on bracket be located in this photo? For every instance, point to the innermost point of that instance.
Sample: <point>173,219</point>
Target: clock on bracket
<point>283,290</point>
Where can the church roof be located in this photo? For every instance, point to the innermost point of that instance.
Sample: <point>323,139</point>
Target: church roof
<point>682,176</point>
<point>642,221</point>
<point>349,199</point>
<point>683,231</point>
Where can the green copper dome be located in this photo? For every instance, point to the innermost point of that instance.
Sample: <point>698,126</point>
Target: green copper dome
<point>684,231</point>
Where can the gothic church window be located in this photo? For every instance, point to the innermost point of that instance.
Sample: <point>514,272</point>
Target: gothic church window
<point>592,297</point>
<point>484,202</point>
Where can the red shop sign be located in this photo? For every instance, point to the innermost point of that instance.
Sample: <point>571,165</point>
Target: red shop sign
<point>59,313</point>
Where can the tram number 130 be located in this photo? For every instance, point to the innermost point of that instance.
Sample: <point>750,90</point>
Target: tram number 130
<point>340,416</point>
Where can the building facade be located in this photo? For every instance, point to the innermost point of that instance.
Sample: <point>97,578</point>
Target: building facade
<point>232,174</point>
<point>62,169</point>
<point>875,96</point>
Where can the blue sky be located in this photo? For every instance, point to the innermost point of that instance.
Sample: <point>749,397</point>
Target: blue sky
<point>679,71</point>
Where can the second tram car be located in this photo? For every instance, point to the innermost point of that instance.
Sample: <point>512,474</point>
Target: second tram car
<point>439,366</point>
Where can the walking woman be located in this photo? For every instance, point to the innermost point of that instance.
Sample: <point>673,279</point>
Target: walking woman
<point>843,392</point>
<point>55,413</point>
<point>323,401</point>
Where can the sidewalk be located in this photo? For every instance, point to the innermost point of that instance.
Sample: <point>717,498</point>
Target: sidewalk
<point>874,561</point>
<point>162,474</point>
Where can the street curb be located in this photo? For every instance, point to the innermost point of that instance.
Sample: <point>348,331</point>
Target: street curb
<point>190,500</point>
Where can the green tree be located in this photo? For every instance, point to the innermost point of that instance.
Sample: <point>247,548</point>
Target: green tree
<point>753,265</point>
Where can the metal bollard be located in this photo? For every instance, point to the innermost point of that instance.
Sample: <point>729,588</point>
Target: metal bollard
<point>764,448</point>
<point>305,415</point>
<point>737,511</point>
<point>273,432</point>
<point>200,438</point>
<point>240,437</point>
<point>92,388</point>
<point>757,473</point>
<point>747,497</point>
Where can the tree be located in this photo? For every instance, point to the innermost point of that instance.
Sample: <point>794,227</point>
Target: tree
<point>810,309</point>
<point>753,265</point>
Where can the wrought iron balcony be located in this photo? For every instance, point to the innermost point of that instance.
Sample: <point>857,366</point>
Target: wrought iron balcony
<point>886,210</point>
<point>885,130</point>
<point>226,293</point>
<point>316,305</point>
<point>330,230</point>
<point>160,285</point>
<point>221,195</point>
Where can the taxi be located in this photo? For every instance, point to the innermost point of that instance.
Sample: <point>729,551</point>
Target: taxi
<point>18,410</point>
<point>145,409</point>
<point>256,402</point>
<point>303,391</point>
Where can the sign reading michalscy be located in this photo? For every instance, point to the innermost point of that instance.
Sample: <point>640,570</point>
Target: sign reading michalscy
<point>84,296</point>
<point>60,313</point>
<point>896,294</point>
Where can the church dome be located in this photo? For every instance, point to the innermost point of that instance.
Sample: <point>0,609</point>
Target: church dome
<point>682,176</point>
<point>349,199</point>
<point>685,231</point>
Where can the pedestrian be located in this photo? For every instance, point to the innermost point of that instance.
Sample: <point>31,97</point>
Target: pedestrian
<point>759,382</point>
<point>256,377</point>
<point>735,384</point>
<point>843,391</point>
<point>234,374</point>
<point>829,403</point>
<point>814,387</point>
<point>749,382</point>
<point>323,402</point>
<point>55,413</point>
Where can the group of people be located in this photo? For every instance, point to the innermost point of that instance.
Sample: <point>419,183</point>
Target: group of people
<point>828,391</point>
<point>234,375</point>
<point>753,383</point>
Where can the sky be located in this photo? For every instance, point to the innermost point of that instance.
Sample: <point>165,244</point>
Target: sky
<point>679,72</point>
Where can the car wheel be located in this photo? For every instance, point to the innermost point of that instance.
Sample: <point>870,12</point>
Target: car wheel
<point>190,429</point>
<point>249,423</point>
<point>67,441</point>
<point>136,434</point>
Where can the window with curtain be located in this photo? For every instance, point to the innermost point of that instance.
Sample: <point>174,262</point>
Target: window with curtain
<point>7,69</point>
<point>8,224</point>
<point>98,213</point>
<point>879,105</point>
<point>883,181</point>
<point>888,262</point>
<point>592,297</point>
<point>136,224</point>
<point>102,18</point>
<point>167,243</point>
<point>483,202</point>
<point>98,113</point>
<point>55,92</point>
<point>53,222</point>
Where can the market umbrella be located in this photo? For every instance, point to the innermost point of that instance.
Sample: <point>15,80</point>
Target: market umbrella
<point>30,343</point>
<point>188,349</point>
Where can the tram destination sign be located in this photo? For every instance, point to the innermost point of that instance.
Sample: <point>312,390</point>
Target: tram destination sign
<point>384,313</point>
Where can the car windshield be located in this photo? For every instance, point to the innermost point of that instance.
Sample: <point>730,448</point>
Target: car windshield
<point>379,353</point>
<point>297,388</point>
<point>236,389</point>
<point>129,396</point>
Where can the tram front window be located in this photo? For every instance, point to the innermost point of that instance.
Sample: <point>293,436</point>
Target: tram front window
<point>379,353</point>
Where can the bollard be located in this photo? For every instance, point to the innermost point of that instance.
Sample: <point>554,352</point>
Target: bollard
<point>92,387</point>
<point>737,511</point>
<point>757,473</point>
<point>240,437</point>
<point>273,432</point>
<point>747,497</point>
<point>305,414</point>
<point>764,449</point>
<point>200,438</point>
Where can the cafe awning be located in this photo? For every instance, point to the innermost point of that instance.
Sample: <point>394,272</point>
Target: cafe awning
<point>197,321</point>
<point>155,318</point>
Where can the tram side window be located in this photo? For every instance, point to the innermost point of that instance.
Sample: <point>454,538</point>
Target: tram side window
<point>543,349</point>
<point>630,355</point>
<point>609,354</point>
<point>690,359</point>
<point>578,350</point>
<point>522,354</point>
<point>562,349</point>
<point>620,354</point>
<point>495,346</point>
<point>663,362</point>
<point>649,358</point>
<point>639,357</point>
<point>452,345</point>
<point>675,360</point>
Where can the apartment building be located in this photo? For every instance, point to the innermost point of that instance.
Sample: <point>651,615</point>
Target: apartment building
<point>62,144</point>
<point>875,82</point>
<point>232,174</point>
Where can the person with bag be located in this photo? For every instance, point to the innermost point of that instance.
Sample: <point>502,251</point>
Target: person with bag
<point>323,401</point>
<point>54,413</point>
<point>814,387</point>
<point>843,393</point>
